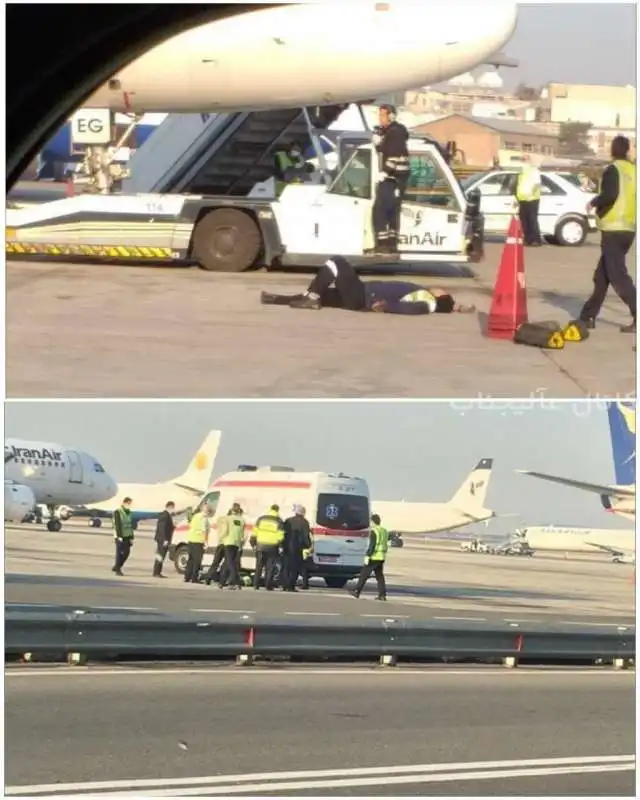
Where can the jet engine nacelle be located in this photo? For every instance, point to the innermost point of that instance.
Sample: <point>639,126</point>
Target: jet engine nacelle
<point>19,500</point>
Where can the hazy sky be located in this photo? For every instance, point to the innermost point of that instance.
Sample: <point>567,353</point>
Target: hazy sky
<point>406,451</point>
<point>574,43</point>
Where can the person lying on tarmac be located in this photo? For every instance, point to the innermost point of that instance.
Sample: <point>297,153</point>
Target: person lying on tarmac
<point>337,285</point>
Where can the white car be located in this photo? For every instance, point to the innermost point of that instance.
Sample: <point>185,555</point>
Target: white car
<point>563,216</point>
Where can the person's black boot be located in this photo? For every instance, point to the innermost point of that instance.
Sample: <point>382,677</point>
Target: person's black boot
<point>268,299</point>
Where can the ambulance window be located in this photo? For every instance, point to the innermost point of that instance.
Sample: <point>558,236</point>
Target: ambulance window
<point>355,179</point>
<point>343,512</point>
<point>428,183</point>
<point>212,498</point>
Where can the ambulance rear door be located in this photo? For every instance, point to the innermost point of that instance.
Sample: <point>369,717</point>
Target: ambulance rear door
<point>341,527</point>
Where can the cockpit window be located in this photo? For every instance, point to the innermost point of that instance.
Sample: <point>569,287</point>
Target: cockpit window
<point>98,467</point>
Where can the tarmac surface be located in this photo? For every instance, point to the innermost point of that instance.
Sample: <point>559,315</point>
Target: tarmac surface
<point>208,731</point>
<point>81,330</point>
<point>425,582</point>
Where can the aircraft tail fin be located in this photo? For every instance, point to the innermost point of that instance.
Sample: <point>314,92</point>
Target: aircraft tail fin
<point>622,424</point>
<point>198,474</point>
<point>473,491</point>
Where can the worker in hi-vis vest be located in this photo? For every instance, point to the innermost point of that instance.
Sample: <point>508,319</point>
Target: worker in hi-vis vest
<point>289,166</point>
<point>615,207</point>
<point>123,534</point>
<point>528,197</point>
<point>196,542</point>
<point>374,559</point>
<point>268,535</point>
<point>232,540</point>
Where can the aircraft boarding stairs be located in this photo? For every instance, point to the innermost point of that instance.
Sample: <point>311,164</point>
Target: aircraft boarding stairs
<point>224,154</point>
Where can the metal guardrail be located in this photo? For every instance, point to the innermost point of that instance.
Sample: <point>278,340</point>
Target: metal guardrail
<point>89,634</point>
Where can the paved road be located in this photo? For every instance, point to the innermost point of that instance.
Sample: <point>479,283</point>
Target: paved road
<point>103,331</point>
<point>74,568</point>
<point>425,728</point>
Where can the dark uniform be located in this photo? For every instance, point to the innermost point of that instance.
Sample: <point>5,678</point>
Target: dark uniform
<point>374,560</point>
<point>267,535</point>
<point>123,532</point>
<point>615,207</point>
<point>391,142</point>
<point>353,294</point>
<point>164,531</point>
<point>297,539</point>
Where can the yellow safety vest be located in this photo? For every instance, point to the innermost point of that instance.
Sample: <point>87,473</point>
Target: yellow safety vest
<point>234,533</point>
<point>622,216</point>
<point>382,543</point>
<point>421,296</point>
<point>198,529</point>
<point>268,531</point>
<point>528,186</point>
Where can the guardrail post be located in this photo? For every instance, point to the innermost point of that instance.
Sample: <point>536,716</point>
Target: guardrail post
<point>511,662</point>
<point>246,659</point>
<point>388,660</point>
<point>620,663</point>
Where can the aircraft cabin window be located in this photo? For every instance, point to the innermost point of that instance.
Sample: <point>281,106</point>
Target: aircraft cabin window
<point>355,179</point>
<point>428,184</point>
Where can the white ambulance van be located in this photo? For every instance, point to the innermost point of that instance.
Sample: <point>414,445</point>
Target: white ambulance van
<point>337,508</point>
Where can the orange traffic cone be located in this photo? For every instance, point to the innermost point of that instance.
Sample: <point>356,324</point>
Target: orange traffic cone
<point>509,304</point>
<point>70,188</point>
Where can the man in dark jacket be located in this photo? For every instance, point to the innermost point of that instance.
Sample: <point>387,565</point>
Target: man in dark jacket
<point>390,139</point>
<point>164,531</point>
<point>337,285</point>
<point>615,208</point>
<point>297,538</point>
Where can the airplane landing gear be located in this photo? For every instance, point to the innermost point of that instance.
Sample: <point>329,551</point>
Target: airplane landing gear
<point>53,523</point>
<point>95,522</point>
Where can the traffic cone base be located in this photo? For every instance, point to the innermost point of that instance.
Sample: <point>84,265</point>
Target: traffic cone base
<point>509,305</point>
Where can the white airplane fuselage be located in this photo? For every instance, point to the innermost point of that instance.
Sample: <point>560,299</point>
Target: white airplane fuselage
<point>55,474</point>
<point>418,518</point>
<point>580,540</point>
<point>305,55</point>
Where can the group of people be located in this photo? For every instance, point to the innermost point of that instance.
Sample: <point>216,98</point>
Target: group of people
<point>283,548</point>
<point>337,284</point>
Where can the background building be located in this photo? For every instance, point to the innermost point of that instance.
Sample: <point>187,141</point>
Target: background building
<point>602,106</point>
<point>484,140</point>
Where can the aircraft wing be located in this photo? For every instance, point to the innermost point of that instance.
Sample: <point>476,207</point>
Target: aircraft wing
<point>597,488</point>
<point>629,556</point>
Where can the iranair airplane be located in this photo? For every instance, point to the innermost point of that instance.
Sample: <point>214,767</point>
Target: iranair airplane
<point>52,475</point>
<point>301,54</point>
<point>149,499</point>
<point>620,545</point>
<point>465,507</point>
<point>619,498</point>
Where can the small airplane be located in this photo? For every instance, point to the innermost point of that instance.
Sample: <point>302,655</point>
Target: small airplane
<point>149,499</point>
<point>619,498</point>
<point>53,475</point>
<point>466,507</point>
